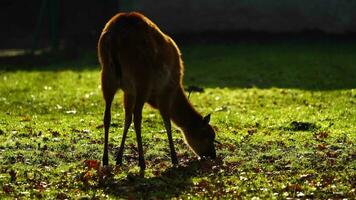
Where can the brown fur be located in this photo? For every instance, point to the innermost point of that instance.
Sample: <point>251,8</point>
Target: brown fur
<point>137,57</point>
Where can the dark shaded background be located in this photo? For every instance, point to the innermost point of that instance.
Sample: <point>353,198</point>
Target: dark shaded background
<point>80,21</point>
<point>331,16</point>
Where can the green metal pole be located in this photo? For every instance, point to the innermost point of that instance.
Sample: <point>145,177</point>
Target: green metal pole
<point>35,39</point>
<point>53,24</point>
<point>50,8</point>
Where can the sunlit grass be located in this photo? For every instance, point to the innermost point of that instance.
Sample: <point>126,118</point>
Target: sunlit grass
<point>285,114</point>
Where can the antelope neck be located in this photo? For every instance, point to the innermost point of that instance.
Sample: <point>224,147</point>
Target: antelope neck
<point>182,112</point>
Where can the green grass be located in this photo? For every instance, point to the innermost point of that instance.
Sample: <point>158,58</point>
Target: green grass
<point>285,113</point>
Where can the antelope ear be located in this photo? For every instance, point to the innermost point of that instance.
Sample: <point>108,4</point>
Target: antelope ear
<point>206,119</point>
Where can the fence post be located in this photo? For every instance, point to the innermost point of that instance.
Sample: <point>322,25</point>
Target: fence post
<point>50,8</point>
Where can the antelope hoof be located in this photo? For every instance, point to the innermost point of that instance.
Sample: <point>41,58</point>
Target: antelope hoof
<point>105,161</point>
<point>142,166</point>
<point>119,161</point>
<point>175,161</point>
<point>119,158</point>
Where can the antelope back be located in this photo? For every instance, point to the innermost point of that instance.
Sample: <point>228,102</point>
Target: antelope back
<point>141,55</point>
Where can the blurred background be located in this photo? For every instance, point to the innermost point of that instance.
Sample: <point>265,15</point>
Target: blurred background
<point>31,26</point>
<point>40,23</point>
<point>65,29</point>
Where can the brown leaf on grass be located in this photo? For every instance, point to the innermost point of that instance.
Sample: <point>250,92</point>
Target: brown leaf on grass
<point>321,135</point>
<point>230,167</point>
<point>162,165</point>
<point>92,164</point>
<point>7,189</point>
<point>332,154</point>
<point>41,186</point>
<point>294,187</point>
<point>62,196</point>
<point>203,185</point>
<point>87,176</point>
<point>257,170</point>
<point>218,145</point>
<point>252,131</point>
<point>327,180</point>
<point>94,141</point>
<point>321,147</point>
<point>229,146</point>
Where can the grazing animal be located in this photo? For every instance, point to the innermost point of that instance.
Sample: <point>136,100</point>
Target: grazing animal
<point>137,57</point>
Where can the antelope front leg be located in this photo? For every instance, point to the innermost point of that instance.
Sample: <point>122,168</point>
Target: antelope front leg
<point>167,125</point>
<point>137,123</point>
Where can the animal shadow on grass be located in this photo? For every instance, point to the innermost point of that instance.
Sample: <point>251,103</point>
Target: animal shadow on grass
<point>302,126</point>
<point>168,184</point>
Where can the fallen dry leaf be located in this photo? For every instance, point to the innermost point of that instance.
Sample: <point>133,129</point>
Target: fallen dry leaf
<point>92,164</point>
